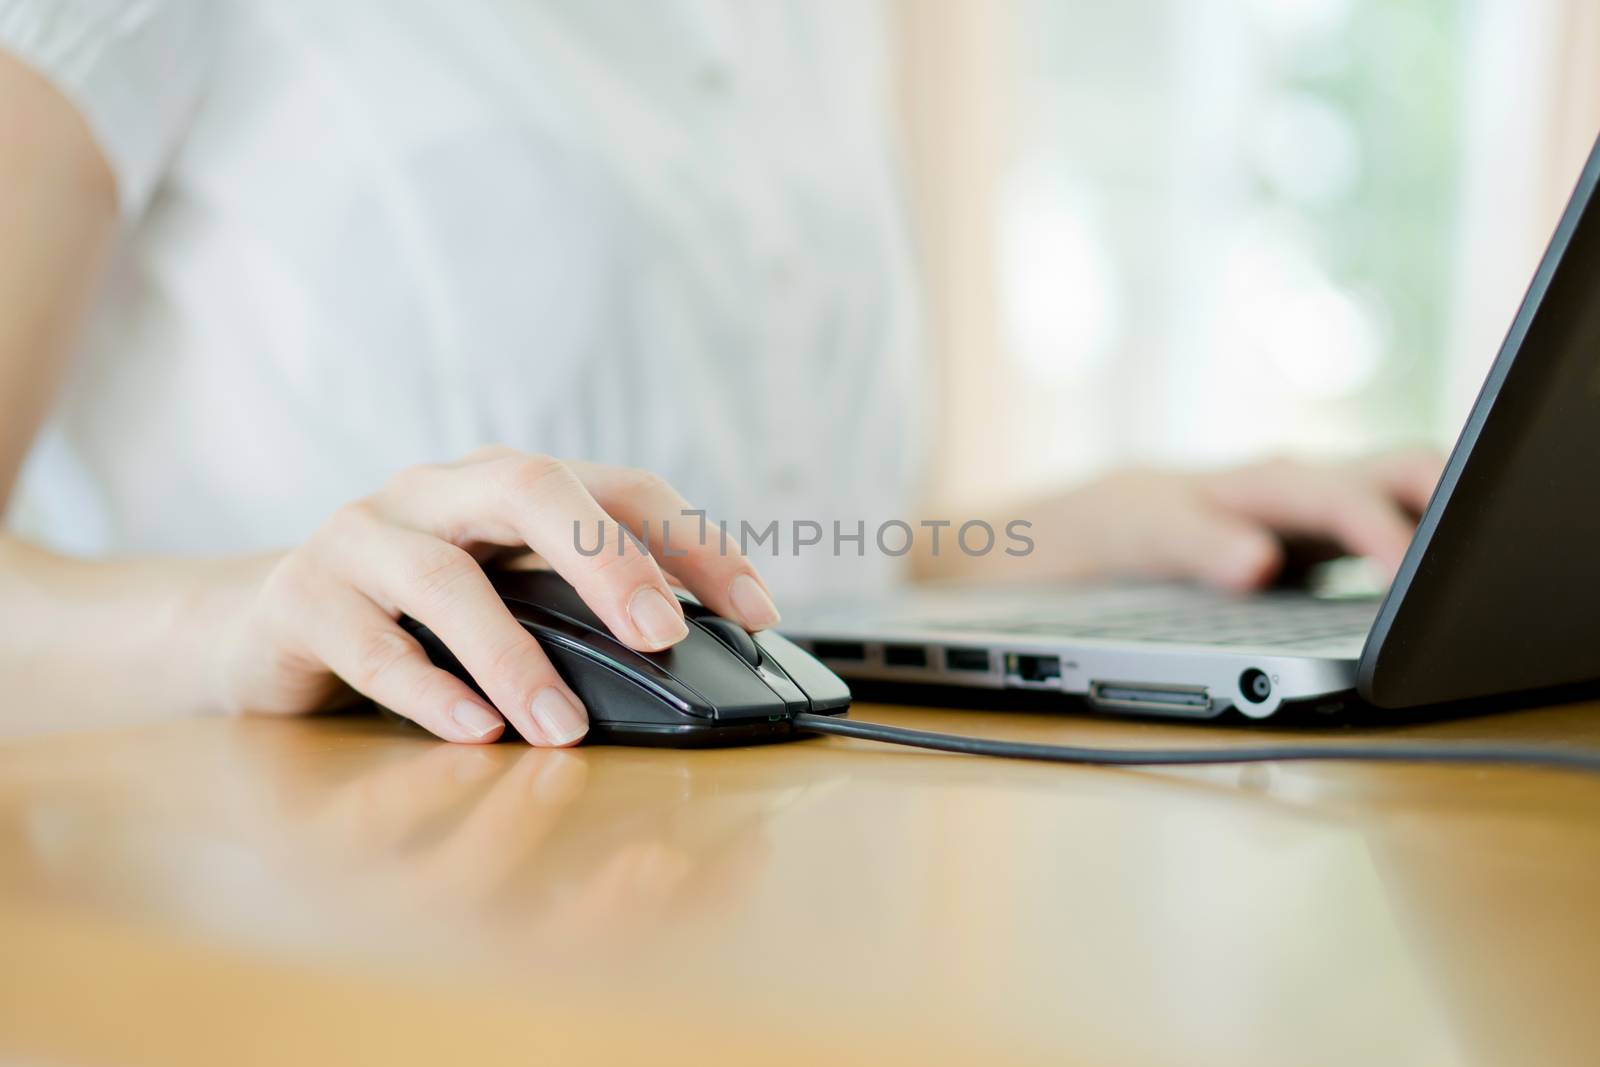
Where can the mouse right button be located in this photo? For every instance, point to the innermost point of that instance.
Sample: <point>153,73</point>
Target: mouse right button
<point>825,690</point>
<point>734,636</point>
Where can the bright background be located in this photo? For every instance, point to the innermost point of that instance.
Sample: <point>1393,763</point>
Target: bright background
<point>1198,232</point>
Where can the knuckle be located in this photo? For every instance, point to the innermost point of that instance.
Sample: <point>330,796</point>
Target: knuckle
<point>522,664</point>
<point>611,566</point>
<point>380,652</point>
<point>356,519</point>
<point>350,523</point>
<point>488,453</point>
<point>409,480</point>
<point>355,515</point>
<point>638,481</point>
<point>435,571</point>
<point>531,474</point>
<point>619,553</point>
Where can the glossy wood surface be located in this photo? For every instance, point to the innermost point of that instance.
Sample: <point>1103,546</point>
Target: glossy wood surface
<point>344,890</point>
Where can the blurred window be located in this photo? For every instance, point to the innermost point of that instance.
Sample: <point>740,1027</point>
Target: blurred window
<point>1228,226</point>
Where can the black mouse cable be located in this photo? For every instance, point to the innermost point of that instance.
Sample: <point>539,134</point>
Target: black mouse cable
<point>1573,759</point>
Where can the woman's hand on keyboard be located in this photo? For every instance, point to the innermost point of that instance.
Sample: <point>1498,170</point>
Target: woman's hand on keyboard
<point>1227,528</point>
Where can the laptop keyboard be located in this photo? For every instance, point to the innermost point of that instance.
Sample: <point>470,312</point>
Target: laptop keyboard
<point>1190,617</point>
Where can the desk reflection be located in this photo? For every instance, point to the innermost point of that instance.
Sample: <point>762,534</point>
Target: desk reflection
<point>340,840</point>
<point>948,910</point>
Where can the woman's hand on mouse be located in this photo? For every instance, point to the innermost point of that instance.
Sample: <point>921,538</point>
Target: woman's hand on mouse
<point>321,620</point>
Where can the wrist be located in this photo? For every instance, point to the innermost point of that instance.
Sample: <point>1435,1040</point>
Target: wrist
<point>205,627</point>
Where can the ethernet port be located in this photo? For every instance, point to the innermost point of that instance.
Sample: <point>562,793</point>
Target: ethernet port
<point>1032,668</point>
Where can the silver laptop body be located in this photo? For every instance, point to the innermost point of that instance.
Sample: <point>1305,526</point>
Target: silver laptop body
<point>1153,649</point>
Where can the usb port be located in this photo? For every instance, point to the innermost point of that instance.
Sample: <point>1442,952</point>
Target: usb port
<point>1034,668</point>
<point>842,651</point>
<point>905,656</point>
<point>973,660</point>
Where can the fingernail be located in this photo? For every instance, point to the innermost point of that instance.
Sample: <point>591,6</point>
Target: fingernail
<point>559,719</point>
<point>476,719</point>
<point>657,621</point>
<point>756,609</point>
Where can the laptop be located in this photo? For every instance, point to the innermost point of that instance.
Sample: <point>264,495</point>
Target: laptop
<point>1498,594</point>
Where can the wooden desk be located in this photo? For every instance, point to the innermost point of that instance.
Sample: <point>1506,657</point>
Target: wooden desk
<point>341,890</point>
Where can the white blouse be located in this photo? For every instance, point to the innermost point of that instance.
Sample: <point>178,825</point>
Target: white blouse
<point>364,234</point>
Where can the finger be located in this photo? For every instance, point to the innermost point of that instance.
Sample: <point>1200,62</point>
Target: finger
<point>1220,549</point>
<point>1408,476</point>
<point>365,647</point>
<point>442,586</point>
<point>539,502</point>
<point>505,828</point>
<point>378,809</point>
<point>683,543</point>
<point>1298,500</point>
<point>1368,523</point>
<point>625,894</point>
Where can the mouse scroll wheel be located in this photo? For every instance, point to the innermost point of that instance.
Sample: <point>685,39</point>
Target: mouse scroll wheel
<point>734,636</point>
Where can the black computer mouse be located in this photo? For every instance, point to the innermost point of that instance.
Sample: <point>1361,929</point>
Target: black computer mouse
<point>718,686</point>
